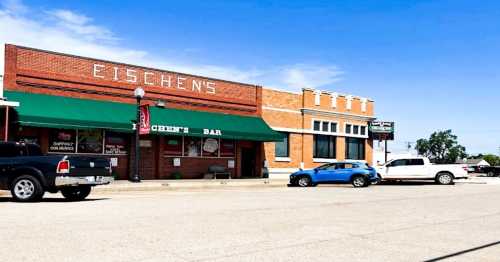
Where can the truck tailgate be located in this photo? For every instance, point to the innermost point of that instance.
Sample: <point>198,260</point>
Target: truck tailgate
<point>89,166</point>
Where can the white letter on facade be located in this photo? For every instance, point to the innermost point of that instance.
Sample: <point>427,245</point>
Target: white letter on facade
<point>97,70</point>
<point>196,85</point>
<point>210,87</point>
<point>168,81</point>
<point>146,74</point>
<point>180,83</point>
<point>131,77</point>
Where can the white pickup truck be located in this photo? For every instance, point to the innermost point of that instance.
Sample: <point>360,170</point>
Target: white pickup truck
<point>420,168</point>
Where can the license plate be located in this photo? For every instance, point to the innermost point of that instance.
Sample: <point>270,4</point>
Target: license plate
<point>90,179</point>
<point>99,179</point>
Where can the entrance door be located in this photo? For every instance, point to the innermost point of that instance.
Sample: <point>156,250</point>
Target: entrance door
<point>248,165</point>
<point>147,161</point>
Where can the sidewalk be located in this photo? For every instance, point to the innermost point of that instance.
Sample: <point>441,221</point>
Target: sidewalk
<point>146,185</point>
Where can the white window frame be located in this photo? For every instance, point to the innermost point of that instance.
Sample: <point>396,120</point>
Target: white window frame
<point>352,134</point>
<point>329,131</point>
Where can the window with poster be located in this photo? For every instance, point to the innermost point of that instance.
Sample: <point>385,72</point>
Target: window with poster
<point>90,141</point>
<point>227,148</point>
<point>173,145</point>
<point>115,143</point>
<point>192,146</point>
<point>62,141</point>
<point>210,147</point>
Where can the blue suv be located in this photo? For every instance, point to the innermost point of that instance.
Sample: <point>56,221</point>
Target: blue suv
<point>358,173</point>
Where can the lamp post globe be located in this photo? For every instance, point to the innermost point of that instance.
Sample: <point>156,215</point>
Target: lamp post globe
<point>138,94</point>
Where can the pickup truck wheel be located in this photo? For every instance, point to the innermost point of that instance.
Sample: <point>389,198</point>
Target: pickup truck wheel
<point>26,188</point>
<point>491,174</point>
<point>360,181</point>
<point>444,178</point>
<point>304,181</point>
<point>77,193</point>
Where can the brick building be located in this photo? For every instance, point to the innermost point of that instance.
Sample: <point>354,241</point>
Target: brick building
<point>78,105</point>
<point>318,127</point>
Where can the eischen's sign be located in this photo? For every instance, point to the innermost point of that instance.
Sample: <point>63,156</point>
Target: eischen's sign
<point>40,71</point>
<point>151,78</point>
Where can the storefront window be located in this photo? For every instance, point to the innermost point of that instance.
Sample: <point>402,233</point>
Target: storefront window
<point>115,143</point>
<point>281,147</point>
<point>192,146</point>
<point>173,145</point>
<point>227,148</point>
<point>324,146</point>
<point>62,141</point>
<point>210,147</point>
<point>355,148</point>
<point>90,141</point>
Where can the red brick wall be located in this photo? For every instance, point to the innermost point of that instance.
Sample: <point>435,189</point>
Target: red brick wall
<point>39,71</point>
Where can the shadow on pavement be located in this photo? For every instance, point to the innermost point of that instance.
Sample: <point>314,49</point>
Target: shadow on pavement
<point>50,199</point>
<point>406,183</point>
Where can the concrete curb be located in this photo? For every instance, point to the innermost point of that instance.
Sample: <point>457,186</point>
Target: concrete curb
<point>157,185</point>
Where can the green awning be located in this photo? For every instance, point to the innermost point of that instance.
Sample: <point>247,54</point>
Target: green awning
<point>72,113</point>
<point>206,124</point>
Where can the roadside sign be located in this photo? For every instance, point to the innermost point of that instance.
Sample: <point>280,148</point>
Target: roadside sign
<point>381,130</point>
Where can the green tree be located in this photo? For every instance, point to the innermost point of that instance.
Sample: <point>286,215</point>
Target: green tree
<point>441,147</point>
<point>492,159</point>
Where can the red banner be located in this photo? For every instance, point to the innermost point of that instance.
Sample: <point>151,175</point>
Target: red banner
<point>145,126</point>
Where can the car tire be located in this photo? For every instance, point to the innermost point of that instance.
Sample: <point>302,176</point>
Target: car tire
<point>378,181</point>
<point>360,181</point>
<point>444,179</point>
<point>26,188</point>
<point>77,193</point>
<point>304,181</point>
<point>490,174</point>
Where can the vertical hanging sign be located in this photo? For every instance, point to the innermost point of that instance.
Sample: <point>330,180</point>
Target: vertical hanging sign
<point>145,124</point>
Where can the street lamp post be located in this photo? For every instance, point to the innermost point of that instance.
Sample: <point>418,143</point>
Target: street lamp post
<point>139,94</point>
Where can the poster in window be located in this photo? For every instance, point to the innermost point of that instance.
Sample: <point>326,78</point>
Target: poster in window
<point>227,148</point>
<point>173,146</point>
<point>192,146</point>
<point>62,141</point>
<point>211,147</point>
<point>90,141</point>
<point>115,143</point>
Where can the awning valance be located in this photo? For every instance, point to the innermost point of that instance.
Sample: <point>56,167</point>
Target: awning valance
<point>72,113</point>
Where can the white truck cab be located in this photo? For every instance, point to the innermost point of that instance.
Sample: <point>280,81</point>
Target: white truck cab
<point>420,168</point>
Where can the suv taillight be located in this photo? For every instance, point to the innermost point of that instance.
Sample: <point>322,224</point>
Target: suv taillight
<point>63,167</point>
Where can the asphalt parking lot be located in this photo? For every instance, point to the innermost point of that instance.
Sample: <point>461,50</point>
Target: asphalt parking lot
<point>408,222</point>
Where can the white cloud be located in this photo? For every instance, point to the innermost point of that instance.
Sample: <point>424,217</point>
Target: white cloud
<point>69,32</point>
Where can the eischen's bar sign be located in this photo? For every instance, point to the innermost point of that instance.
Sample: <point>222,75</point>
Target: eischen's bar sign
<point>151,78</point>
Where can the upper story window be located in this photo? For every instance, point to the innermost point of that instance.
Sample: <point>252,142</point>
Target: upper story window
<point>348,129</point>
<point>317,126</point>
<point>355,129</point>
<point>325,126</point>
<point>317,98</point>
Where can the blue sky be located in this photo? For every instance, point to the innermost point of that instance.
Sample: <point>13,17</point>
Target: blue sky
<point>429,65</point>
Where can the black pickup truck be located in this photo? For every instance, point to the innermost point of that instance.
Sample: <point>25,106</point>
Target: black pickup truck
<point>28,174</point>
